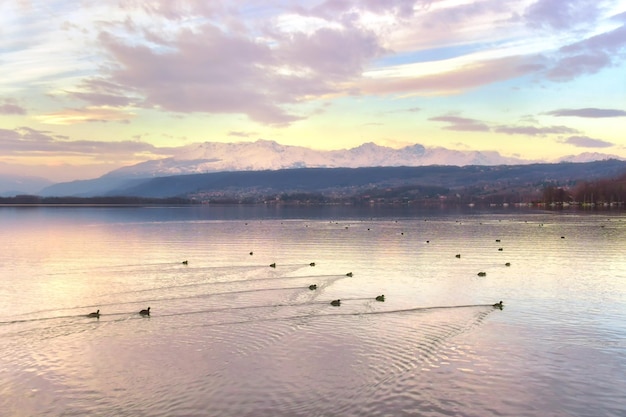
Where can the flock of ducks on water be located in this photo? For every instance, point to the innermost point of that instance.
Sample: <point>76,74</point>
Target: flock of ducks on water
<point>335,303</point>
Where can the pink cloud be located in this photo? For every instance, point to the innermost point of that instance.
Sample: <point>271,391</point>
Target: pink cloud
<point>587,142</point>
<point>534,130</point>
<point>473,125</point>
<point>176,10</point>
<point>240,134</point>
<point>101,99</point>
<point>11,109</point>
<point>25,140</point>
<point>88,114</point>
<point>215,72</point>
<point>455,81</point>
<point>345,9</point>
<point>10,106</point>
<point>462,123</point>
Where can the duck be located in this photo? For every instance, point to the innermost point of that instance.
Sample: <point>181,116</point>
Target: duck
<point>498,305</point>
<point>273,265</point>
<point>313,286</point>
<point>458,255</point>
<point>145,312</point>
<point>185,262</point>
<point>335,303</point>
<point>312,264</point>
<point>349,274</point>
<point>482,274</point>
<point>507,264</point>
<point>380,297</point>
<point>95,314</point>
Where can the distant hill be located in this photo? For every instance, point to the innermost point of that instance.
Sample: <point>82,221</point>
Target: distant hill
<point>351,181</point>
<point>11,185</point>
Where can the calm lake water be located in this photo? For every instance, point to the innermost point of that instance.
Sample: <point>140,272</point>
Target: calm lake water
<point>229,335</point>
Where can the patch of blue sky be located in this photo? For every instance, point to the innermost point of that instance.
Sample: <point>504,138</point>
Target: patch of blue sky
<point>433,54</point>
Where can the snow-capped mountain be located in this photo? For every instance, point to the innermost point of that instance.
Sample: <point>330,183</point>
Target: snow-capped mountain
<point>588,157</point>
<point>264,155</point>
<point>269,155</point>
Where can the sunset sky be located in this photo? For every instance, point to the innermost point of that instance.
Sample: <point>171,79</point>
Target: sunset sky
<point>89,86</point>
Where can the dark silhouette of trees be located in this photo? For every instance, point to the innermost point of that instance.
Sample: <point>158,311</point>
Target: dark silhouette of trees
<point>552,194</point>
<point>601,191</point>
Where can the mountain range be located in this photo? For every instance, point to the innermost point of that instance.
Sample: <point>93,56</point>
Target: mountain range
<point>264,155</point>
<point>269,155</point>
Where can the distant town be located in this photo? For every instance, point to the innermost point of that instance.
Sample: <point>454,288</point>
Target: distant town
<point>601,193</point>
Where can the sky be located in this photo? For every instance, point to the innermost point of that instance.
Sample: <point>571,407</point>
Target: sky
<point>88,86</point>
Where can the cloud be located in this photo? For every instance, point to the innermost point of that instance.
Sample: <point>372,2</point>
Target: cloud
<point>560,15</point>
<point>176,10</point>
<point>11,109</point>
<point>240,134</point>
<point>210,70</point>
<point>87,114</point>
<point>452,81</point>
<point>28,141</point>
<point>570,67</point>
<point>100,99</point>
<point>462,124</point>
<point>587,142</point>
<point>588,112</point>
<point>347,9</point>
<point>589,56</point>
<point>10,106</point>
<point>534,130</point>
<point>473,125</point>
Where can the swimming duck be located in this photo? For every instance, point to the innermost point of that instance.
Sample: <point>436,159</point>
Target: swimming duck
<point>313,286</point>
<point>335,303</point>
<point>482,274</point>
<point>185,262</point>
<point>349,274</point>
<point>145,312</point>
<point>312,264</point>
<point>498,305</point>
<point>95,314</point>
<point>380,297</point>
<point>458,255</point>
<point>507,264</point>
<point>273,265</point>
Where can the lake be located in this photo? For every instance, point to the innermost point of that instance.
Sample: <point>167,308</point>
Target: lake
<point>230,335</point>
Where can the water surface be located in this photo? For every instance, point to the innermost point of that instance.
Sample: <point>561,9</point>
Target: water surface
<point>230,335</point>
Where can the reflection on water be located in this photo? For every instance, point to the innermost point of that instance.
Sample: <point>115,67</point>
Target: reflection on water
<point>230,335</point>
